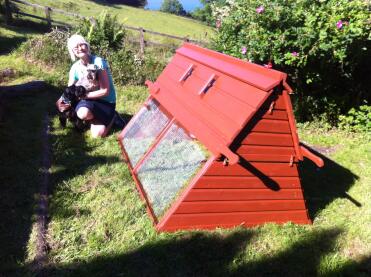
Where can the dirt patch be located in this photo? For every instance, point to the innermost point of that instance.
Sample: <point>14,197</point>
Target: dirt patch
<point>324,150</point>
<point>7,73</point>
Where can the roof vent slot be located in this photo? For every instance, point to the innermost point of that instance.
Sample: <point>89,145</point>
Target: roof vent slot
<point>187,73</point>
<point>210,82</point>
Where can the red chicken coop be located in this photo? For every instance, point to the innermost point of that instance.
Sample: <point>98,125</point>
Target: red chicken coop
<point>216,145</point>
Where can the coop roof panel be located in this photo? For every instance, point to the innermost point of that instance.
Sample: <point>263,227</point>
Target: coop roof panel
<point>213,95</point>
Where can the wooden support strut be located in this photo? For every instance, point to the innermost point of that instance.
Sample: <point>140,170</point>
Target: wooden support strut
<point>308,154</point>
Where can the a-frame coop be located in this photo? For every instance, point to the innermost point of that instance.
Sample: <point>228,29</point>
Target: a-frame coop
<point>215,145</point>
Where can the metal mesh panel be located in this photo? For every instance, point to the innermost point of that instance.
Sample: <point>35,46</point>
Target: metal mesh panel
<point>170,167</point>
<point>143,131</point>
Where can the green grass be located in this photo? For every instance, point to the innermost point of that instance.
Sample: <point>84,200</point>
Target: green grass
<point>98,225</point>
<point>150,20</point>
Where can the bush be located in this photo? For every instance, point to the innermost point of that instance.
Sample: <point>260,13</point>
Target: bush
<point>357,120</point>
<point>322,45</point>
<point>106,39</point>
<point>131,68</point>
<point>50,49</point>
<point>104,36</point>
<point>205,13</point>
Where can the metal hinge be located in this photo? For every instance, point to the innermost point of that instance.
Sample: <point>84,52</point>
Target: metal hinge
<point>291,160</point>
<point>225,161</point>
<point>270,111</point>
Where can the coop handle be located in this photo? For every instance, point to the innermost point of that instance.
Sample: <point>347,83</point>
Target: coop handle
<point>308,154</point>
<point>187,73</point>
<point>208,85</point>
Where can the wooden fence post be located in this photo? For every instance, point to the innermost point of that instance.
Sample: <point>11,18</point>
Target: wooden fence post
<point>48,17</point>
<point>8,13</point>
<point>141,41</point>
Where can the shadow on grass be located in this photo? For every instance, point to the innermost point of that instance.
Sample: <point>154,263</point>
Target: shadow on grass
<point>20,172</point>
<point>204,254</point>
<point>7,44</point>
<point>192,254</point>
<point>21,163</point>
<point>323,185</point>
<point>23,28</point>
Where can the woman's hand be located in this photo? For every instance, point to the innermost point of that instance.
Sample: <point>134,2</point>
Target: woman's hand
<point>61,106</point>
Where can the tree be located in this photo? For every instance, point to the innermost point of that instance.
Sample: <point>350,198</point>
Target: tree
<point>173,6</point>
<point>205,13</point>
<point>134,3</point>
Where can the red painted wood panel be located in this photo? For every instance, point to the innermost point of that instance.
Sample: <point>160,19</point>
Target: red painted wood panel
<point>208,135</point>
<point>242,91</point>
<point>272,150</point>
<point>268,158</point>
<point>253,153</point>
<point>224,126</point>
<point>275,114</point>
<point>279,103</point>
<point>258,76</point>
<point>254,168</point>
<point>272,126</point>
<point>248,182</point>
<point>215,100</point>
<point>214,220</point>
<point>242,194</point>
<point>239,206</point>
<point>256,138</point>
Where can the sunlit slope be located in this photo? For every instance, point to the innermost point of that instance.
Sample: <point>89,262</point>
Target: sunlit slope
<point>151,20</point>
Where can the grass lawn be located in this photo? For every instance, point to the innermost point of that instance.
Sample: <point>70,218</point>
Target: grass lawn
<point>150,20</point>
<point>98,226</point>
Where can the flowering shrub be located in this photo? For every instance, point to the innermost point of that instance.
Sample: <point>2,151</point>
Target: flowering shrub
<point>322,45</point>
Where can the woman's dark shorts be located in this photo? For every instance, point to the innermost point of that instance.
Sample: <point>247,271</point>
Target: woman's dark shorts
<point>102,110</point>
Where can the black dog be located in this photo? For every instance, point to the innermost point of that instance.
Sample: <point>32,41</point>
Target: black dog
<point>71,96</point>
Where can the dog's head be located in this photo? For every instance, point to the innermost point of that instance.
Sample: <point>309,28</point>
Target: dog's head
<point>92,72</point>
<point>80,91</point>
<point>69,93</point>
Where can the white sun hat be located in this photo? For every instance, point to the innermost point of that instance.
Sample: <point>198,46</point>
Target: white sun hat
<point>73,41</point>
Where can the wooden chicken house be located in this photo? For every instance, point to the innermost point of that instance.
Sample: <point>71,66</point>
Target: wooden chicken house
<point>216,145</point>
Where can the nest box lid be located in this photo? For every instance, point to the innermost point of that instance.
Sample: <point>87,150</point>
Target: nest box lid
<point>212,95</point>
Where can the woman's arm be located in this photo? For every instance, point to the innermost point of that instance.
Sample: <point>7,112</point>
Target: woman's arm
<point>61,106</point>
<point>104,87</point>
<point>71,78</point>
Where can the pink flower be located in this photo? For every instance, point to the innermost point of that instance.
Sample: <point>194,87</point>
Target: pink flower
<point>260,9</point>
<point>339,24</point>
<point>218,23</point>
<point>295,54</point>
<point>243,50</point>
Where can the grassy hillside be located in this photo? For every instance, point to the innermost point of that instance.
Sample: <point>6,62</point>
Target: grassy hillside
<point>151,20</point>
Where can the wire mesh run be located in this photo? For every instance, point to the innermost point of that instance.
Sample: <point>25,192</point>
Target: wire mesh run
<point>143,132</point>
<point>170,167</point>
